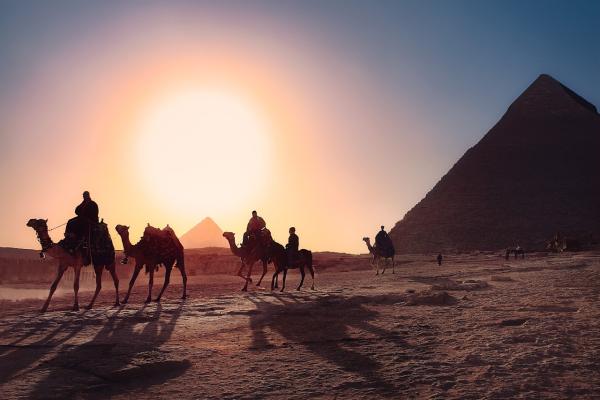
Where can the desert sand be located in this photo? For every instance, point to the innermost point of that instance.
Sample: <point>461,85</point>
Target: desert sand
<point>476,327</point>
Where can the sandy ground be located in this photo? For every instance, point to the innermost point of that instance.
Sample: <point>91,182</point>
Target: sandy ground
<point>478,327</point>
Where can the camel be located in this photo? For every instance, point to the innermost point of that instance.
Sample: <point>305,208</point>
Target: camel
<point>379,254</point>
<point>66,260</point>
<point>279,256</point>
<point>247,257</point>
<point>516,251</point>
<point>145,256</point>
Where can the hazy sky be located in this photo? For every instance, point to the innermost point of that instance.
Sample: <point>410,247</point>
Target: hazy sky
<point>335,117</point>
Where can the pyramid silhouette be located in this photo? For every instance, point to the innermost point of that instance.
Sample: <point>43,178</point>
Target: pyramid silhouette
<point>204,234</point>
<point>535,173</point>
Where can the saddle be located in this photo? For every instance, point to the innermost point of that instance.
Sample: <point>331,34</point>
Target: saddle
<point>91,241</point>
<point>162,243</point>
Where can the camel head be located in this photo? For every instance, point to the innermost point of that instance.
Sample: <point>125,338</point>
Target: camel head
<point>122,230</point>
<point>38,224</point>
<point>367,240</point>
<point>229,236</point>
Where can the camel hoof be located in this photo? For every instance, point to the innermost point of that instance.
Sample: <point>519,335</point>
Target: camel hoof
<point>43,310</point>
<point>157,300</point>
<point>75,308</point>
<point>244,289</point>
<point>89,307</point>
<point>183,297</point>
<point>148,300</point>
<point>117,304</point>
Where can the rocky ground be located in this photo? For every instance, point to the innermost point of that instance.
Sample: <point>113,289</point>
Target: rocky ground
<point>477,327</point>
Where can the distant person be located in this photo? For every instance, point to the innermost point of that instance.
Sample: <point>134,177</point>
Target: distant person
<point>255,225</point>
<point>439,259</point>
<point>292,246</point>
<point>382,239</point>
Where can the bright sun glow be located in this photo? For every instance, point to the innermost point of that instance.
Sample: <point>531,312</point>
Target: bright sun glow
<point>202,151</point>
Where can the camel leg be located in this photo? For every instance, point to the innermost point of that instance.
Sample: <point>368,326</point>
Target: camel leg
<point>245,288</point>
<point>61,271</point>
<point>98,272</point>
<point>115,278</point>
<point>167,280</point>
<point>384,266</point>
<point>184,278</point>
<point>263,274</point>
<point>274,280</point>
<point>377,266</point>
<point>150,284</point>
<point>393,265</point>
<point>240,274</point>
<point>76,287</point>
<point>302,274</point>
<point>283,283</point>
<point>136,272</point>
<point>312,274</point>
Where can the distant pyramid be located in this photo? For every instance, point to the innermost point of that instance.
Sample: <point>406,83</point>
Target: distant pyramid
<point>536,172</point>
<point>205,234</point>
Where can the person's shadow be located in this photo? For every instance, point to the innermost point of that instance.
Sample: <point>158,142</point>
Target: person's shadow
<point>123,356</point>
<point>321,328</point>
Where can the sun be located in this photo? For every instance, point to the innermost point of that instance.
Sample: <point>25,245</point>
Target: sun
<point>202,151</point>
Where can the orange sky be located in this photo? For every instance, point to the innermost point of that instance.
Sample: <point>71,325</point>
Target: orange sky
<point>75,126</point>
<point>340,115</point>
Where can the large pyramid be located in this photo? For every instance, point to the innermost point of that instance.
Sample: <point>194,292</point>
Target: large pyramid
<point>205,234</point>
<point>535,173</point>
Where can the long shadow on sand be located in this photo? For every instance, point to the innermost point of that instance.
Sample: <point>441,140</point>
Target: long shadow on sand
<point>337,329</point>
<point>16,358</point>
<point>123,356</point>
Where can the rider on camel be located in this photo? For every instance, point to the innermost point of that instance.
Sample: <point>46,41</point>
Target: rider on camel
<point>78,229</point>
<point>292,246</point>
<point>255,225</point>
<point>88,209</point>
<point>382,239</point>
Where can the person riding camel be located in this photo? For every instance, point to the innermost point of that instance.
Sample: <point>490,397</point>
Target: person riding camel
<point>255,225</point>
<point>78,230</point>
<point>292,246</point>
<point>382,239</point>
<point>87,209</point>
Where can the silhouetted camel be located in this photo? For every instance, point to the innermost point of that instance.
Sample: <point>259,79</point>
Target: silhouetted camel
<point>146,256</point>
<point>516,251</point>
<point>248,256</point>
<point>66,260</point>
<point>379,254</point>
<point>278,255</point>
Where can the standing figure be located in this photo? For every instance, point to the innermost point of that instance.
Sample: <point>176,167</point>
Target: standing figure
<point>439,259</point>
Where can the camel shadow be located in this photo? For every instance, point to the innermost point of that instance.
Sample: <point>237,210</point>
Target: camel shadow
<point>16,358</point>
<point>123,356</point>
<point>339,336</point>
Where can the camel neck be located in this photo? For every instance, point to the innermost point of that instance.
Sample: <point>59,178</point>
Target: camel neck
<point>45,240</point>
<point>127,246</point>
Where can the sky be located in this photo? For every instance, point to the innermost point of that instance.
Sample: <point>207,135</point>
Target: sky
<point>335,117</point>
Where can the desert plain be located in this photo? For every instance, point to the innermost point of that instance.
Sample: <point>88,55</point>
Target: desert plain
<point>477,327</point>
